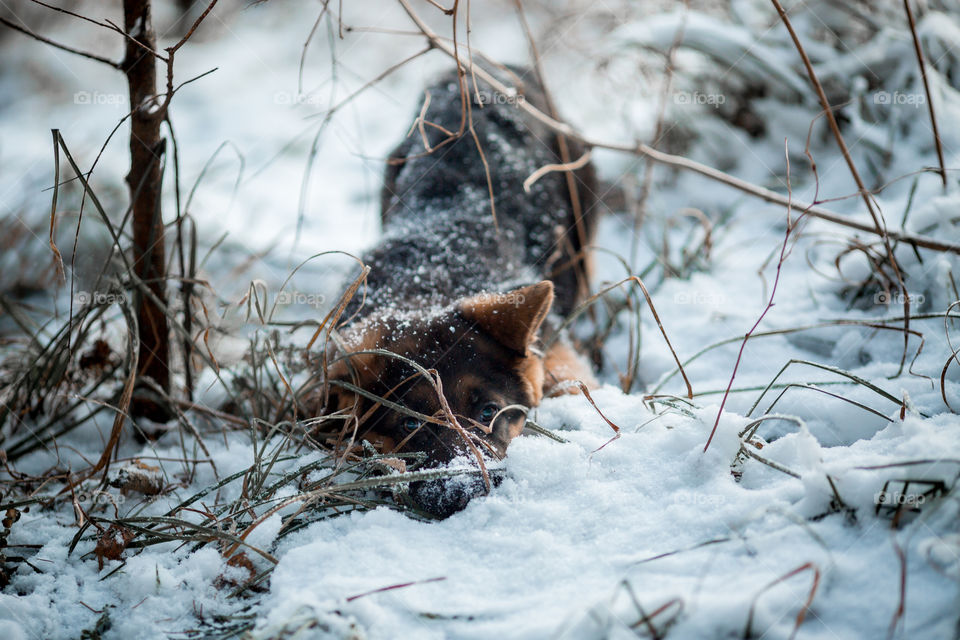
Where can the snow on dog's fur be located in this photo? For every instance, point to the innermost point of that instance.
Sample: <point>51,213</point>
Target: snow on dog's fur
<point>460,291</point>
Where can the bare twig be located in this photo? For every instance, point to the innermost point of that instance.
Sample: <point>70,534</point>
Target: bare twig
<point>63,47</point>
<point>106,24</point>
<point>902,591</point>
<point>926,88</point>
<point>809,566</point>
<point>393,587</point>
<point>193,28</point>
<point>550,168</point>
<point>641,205</point>
<point>791,225</point>
<point>864,193</point>
<point>171,51</point>
<point>563,147</point>
<point>679,162</point>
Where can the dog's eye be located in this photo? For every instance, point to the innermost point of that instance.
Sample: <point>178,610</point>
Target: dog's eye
<point>489,410</point>
<point>410,424</point>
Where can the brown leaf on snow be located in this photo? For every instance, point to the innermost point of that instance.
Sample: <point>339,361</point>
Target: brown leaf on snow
<point>139,477</point>
<point>111,544</point>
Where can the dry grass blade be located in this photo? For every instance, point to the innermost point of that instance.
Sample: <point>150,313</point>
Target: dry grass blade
<point>536,428</point>
<point>433,379</point>
<point>579,163</point>
<point>751,429</point>
<point>197,533</point>
<point>133,348</point>
<point>809,566</point>
<point>778,332</point>
<point>663,332</point>
<point>393,587</point>
<point>616,429</point>
<point>678,162</point>
<point>333,317</point>
<point>646,294</point>
<point>811,387</point>
<point>748,450</point>
<point>926,87</point>
<point>877,218</point>
<point>943,377</point>
<point>53,209</point>
<point>831,369</point>
<point>791,225</point>
<point>898,613</point>
<point>953,357</point>
<point>114,234</point>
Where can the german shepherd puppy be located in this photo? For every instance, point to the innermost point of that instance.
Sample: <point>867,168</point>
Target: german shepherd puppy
<point>468,296</point>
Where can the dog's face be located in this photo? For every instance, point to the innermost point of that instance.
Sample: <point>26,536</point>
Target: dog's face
<point>477,353</point>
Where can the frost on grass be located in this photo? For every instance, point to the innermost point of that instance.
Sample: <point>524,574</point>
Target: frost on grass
<point>818,498</point>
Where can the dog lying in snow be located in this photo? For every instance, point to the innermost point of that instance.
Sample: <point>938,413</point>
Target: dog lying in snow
<point>464,294</point>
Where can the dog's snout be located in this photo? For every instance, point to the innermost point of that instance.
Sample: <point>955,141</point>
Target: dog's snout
<point>505,428</point>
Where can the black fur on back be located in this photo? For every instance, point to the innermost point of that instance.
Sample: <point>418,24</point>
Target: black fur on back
<point>440,242</point>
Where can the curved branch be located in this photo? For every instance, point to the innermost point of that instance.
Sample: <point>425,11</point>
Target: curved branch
<point>679,162</point>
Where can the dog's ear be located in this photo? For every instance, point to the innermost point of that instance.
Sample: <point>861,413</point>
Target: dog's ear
<point>512,318</point>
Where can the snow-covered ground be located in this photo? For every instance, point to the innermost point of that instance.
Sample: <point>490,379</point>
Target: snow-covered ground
<point>644,535</point>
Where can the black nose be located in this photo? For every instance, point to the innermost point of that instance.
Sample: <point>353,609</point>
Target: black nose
<point>443,498</point>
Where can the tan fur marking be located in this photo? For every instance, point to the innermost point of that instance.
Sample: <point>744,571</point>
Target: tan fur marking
<point>383,444</point>
<point>531,370</point>
<point>563,365</point>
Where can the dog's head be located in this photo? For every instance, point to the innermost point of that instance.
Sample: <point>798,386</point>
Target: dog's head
<point>477,353</point>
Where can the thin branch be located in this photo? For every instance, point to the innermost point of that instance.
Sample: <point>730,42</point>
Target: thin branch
<point>171,51</point>
<point>183,40</point>
<point>926,88</point>
<point>658,133</point>
<point>563,147</point>
<point>671,160</point>
<point>550,168</point>
<point>791,225</point>
<point>306,45</point>
<point>106,24</point>
<point>113,27</point>
<point>874,215</point>
<point>327,114</point>
<point>63,47</point>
